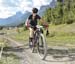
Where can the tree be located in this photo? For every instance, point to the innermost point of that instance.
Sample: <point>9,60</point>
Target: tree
<point>62,13</point>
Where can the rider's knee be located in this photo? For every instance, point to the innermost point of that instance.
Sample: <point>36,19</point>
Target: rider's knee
<point>31,32</point>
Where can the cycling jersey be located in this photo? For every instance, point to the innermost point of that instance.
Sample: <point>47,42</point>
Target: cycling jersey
<point>33,22</point>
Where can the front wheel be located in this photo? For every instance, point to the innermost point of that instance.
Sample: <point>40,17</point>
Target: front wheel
<point>42,46</point>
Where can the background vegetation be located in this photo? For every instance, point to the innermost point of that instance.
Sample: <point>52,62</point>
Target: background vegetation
<point>61,21</point>
<point>64,12</point>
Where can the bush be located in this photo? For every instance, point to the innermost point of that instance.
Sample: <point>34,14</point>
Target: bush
<point>57,22</point>
<point>70,21</point>
<point>1,28</point>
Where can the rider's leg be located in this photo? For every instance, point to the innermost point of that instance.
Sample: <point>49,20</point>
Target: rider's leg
<point>30,35</point>
<point>47,31</point>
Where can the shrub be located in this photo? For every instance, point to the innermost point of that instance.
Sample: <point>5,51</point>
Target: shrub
<point>70,21</point>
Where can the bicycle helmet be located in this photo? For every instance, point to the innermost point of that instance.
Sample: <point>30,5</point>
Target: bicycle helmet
<point>35,10</point>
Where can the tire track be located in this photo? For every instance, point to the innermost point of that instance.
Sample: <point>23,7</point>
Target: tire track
<point>27,57</point>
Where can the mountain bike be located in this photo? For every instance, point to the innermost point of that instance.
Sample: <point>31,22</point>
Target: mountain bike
<point>39,42</point>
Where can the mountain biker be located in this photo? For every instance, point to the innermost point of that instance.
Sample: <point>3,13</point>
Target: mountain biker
<point>32,22</point>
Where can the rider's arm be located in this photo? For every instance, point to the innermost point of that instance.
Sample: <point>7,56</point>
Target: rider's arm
<point>27,23</point>
<point>44,23</point>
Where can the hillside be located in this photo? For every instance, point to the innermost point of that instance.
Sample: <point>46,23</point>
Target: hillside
<point>63,13</point>
<point>60,35</point>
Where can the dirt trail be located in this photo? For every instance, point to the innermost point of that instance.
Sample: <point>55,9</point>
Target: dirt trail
<point>27,57</point>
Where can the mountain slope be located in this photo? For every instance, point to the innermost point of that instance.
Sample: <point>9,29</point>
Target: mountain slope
<point>20,18</point>
<point>14,20</point>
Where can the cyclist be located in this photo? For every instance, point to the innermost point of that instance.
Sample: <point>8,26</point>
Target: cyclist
<point>32,22</point>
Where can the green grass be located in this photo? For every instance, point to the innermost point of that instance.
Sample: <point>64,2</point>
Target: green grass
<point>24,34</point>
<point>60,35</point>
<point>10,59</point>
<point>61,41</point>
<point>21,36</point>
<point>1,42</point>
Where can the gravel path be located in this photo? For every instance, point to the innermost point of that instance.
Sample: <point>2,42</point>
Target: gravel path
<point>27,57</point>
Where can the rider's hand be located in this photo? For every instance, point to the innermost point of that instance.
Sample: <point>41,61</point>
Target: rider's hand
<point>45,24</point>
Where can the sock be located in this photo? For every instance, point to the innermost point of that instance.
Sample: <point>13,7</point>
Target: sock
<point>30,39</point>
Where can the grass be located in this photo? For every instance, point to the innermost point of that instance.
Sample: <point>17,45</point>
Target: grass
<point>59,35</point>
<point>1,42</point>
<point>8,58</point>
<point>21,35</point>
<point>61,41</point>
<point>11,59</point>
